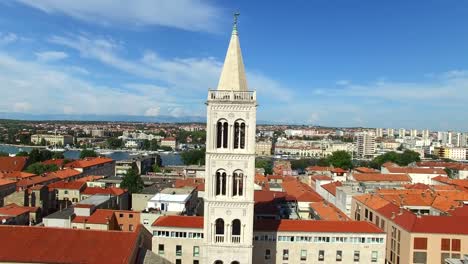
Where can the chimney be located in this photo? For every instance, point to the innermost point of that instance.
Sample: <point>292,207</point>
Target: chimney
<point>393,215</point>
<point>400,212</point>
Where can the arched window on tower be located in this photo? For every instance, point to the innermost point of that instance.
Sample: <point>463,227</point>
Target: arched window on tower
<point>239,134</point>
<point>220,182</point>
<point>235,262</point>
<point>237,183</point>
<point>236,231</point>
<point>222,134</point>
<point>219,230</point>
<point>218,262</point>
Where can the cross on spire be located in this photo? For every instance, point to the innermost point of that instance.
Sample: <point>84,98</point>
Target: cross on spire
<point>234,29</point>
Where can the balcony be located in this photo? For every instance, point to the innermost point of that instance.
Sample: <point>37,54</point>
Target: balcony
<point>235,239</point>
<point>236,96</point>
<point>219,238</point>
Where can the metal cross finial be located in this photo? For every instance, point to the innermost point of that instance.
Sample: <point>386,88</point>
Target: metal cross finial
<point>236,14</point>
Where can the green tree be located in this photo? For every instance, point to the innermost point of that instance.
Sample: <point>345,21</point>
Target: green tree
<point>340,159</point>
<point>39,168</point>
<point>4,154</point>
<point>114,143</point>
<point>266,164</point>
<point>402,159</point>
<point>146,144</point>
<point>43,142</point>
<point>194,157</point>
<point>45,155</point>
<point>58,155</point>
<point>22,154</point>
<point>156,168</point>
<point>34,155</point>
<point>132,181</point>
<point>85,153</point>
<point>323,162</point>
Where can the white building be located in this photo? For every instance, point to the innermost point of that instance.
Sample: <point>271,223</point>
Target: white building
<point>172,201</point>
<point>401,133</point>
<point>390,132</point>
<point>365,145</point>
<point>413,133</point>
<point>379,132</point>
<point>169,142</point>
<point>425,134</point>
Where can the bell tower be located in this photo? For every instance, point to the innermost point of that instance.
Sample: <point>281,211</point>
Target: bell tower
<point>230,163</point>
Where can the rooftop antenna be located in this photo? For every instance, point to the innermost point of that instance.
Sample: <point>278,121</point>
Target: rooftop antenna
<point>234,29</point>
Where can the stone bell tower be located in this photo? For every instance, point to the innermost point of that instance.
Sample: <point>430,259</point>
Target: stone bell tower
<point>230,163</point>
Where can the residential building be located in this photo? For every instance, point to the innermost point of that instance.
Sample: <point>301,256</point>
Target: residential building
<point>169,142</point>
<point>413,133</point>
<point>379,132</point>
<point>7,187</point>
<point>401,133</point>
<point>13,164</point>
<point>365,144</point>
<point>263,148</point>
<point>142,164</point>
<point>50,139</point>
<point>174,201</point>
<point>390,132</point>
<point>93,166</point>
<point>425,134</point>
<point>418,175</point>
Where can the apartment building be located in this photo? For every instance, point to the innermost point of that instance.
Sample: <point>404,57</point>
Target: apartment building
<point>49,139</point>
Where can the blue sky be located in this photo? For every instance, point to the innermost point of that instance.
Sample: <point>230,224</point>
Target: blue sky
<point>335,63</point>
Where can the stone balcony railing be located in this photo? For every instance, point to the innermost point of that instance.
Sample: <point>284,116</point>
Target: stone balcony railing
<point>226,95</point>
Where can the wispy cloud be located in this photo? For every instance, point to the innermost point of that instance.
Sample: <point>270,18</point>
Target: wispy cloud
<point>7,38</point>
<point>51,55</point>
<point>183,14</point>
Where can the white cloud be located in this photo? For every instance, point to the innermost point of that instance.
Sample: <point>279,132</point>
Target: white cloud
<point>51,55</point>
<point>190,15</point>
<point>153,111</point>
<point>7,38</point>
<point>35,87</point>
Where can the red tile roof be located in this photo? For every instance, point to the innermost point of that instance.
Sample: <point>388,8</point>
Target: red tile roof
<point>89,178</point>
<point>36,180</point>
<point>190,182</point>
<point>364,177</point>
<point>98,190</point>
<point>301,191</point>
<point>13,163</point>
<point>329,212</point>
<point>98,217</point>
<point>6,182</point>
<point>316,226</point>
<point>88,162</point>
<point>426,223</point>
<point>365,170</point>
<point>338,170</point>
<point>74,185</point>
<point>457,182</point>
<point>415,170</point>
<point>318,168</point>
<point>16,175</point>
<point>331,187</point>
<point>179,221</point>
<point>65,173</point>
<point>58,162</point>
<point>14,210</point>
<point>33,245</point>
<point>321,177</point>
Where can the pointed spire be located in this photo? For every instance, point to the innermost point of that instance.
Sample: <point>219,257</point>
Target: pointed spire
<point>233,73</point>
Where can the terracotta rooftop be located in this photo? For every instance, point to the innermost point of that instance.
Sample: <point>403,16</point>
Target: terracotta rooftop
<point>331,187</point>
<point>58,162</point>
<point>329,212</point>
<point>89,178</point>
<point>365,177</point>
<point>98,190</point>
<point>415,170</point>
<point>301,191</point>
<point>365,170</point>
<point>318,168</point>
<point>316,226</point>
<point>13,163</point>
<point>88,162</point>
<point>65,173</point>
<point>33,245</point>
<point>6,182</point>
<point>456,182</point>
<point>97,217</point>
<point>321,177</point>
<point>37,180</point>
<point>190,182</point>
<point>426,223</point>
<point>16,174</point>
<point>15,210</point>
<point>74,185</point>
<point>179,221</point>
<point>338,170</point>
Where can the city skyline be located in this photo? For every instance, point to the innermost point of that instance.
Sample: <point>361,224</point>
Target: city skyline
<point>327,65</point>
